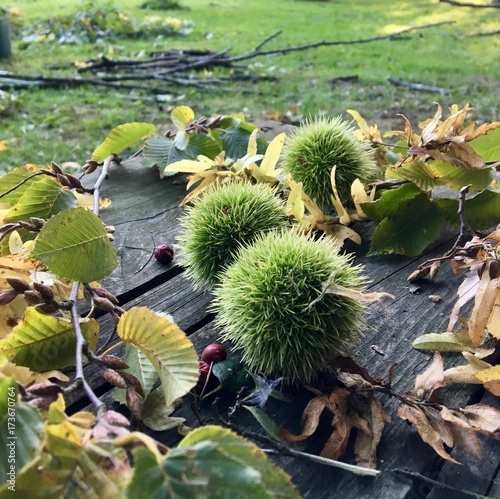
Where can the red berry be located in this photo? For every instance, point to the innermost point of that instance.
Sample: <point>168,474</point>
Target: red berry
<point>214,353</point>
<point>164,254</point>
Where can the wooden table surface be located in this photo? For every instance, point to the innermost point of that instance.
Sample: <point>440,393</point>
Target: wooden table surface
<point>145,210</point>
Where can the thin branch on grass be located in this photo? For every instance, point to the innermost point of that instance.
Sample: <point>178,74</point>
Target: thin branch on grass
<point>420,87</point>
<point>491,5</point>
<point>324,43</point>
<point>173,70</point>
<point>484,33</point>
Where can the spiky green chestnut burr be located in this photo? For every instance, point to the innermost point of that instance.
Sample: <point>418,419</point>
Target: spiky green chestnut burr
<point>224,219</point>
<point>316,147</point>
<point>264,304</point>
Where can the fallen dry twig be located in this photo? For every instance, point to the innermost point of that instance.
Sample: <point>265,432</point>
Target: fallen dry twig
<point>418,86</point>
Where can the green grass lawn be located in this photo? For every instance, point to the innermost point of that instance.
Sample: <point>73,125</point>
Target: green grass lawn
<point>66,124</point>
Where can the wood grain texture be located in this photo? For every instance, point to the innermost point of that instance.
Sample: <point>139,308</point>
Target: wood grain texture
<point>145,208</point>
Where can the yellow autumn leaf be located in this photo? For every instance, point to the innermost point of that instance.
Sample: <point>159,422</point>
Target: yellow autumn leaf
<point>294,205</point>
<point>3,145</point>
<point>493,325</point>
<point>490,379</point>
<point>87,201</point>
<point>190,166</point>
<point>344,217</point>
<point>181,117</point>
<point>166,346</point>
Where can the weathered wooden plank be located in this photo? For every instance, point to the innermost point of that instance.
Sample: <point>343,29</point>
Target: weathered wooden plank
<point>144,211</point>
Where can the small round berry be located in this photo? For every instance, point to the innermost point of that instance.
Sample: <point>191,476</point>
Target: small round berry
<point>164,254</point>
<point>214,353</point>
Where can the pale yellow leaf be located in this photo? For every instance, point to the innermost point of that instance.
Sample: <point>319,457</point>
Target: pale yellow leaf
<point>87,201</point>
<point>362,124</point>
<point>294,205</point>
<point>483,307</point>
<point>340,233</point>
<point>493,325</point>
<point>336,289</point>
<point>252,143</point>
<point>359,196</point>
<point>189,166</point>
<point>272,156</point>
<point>344,217</point>
<point>15,243</point>
<point>181,116</point>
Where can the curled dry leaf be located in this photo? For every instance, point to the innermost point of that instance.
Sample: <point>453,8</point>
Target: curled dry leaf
<point>484,302</point>
<point>467,373</point>
<point>419,418</point>
<point>342,425</point>
<point>431,379</point>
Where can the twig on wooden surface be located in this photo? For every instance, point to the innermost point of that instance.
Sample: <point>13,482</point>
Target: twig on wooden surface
<point>75,318</point>
<point>280,448</point>
<point>491,5</point>
<point>420,87</point>
<point>436,483</point>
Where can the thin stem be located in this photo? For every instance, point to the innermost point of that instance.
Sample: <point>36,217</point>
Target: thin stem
<point>110,349</point>
<point>8,191</point>
<point>100,180</point>
<point>283,449</point>
<point>80,342</point>
<point>75,319</point>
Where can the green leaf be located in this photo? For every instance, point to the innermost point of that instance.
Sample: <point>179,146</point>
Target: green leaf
<point>42,199</point>
<point>8,389</point>
<point>442,342</point>
<point>120,138</point>
<point>13,178</point>
<point>265,421</point>
<point>210,462</point>
<point>418,172</point>
<point>410,221</point>
<point>235,139</point>
<point>141,367</point>
<point>162,152</point>
<point>44,342</point>
<point>74,245</point>
<point>20,437</point>
<point>233,374</point>
<point>481,211</point>
<point>488,146</point>
<point>167,348</point>
<point>156,415</point>
<point>388,204</point>
<point>456,177</point>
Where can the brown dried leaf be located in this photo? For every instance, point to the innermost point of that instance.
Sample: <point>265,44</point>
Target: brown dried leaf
<point>309,420</point>
<point>337,443</point>
<point>349,365</point>
<point>466,292</point>
<point>484,419</point>
<point>493,325</point>
<point>464,435</point>
<point>466,374</point>
<point>336,289</point>
<point>431,379</point>
<point>365,447</point>
<point>483,307</point>
<point>429,435</point>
